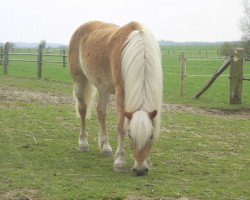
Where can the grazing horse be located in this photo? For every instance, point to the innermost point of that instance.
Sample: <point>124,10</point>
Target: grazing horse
<point>124,61</point>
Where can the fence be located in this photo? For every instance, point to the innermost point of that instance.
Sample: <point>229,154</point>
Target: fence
<point>38,58</point>
<point>235,61</point>
<point>194,52</point>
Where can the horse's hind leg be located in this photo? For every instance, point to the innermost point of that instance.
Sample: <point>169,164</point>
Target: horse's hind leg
<point>101,112</point>
<point>80,87</point>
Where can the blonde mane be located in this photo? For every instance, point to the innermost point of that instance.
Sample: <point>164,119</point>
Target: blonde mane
<point>142,78</point>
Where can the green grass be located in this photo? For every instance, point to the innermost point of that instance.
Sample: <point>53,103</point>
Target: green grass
<point>197,156</point>
<point>217,96</point>
<point>53,72</point>
<point>50,71</point>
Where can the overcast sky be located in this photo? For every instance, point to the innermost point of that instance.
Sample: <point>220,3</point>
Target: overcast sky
<point>176,20</point>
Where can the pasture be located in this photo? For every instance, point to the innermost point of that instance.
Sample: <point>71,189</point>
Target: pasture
<point>202,153</point>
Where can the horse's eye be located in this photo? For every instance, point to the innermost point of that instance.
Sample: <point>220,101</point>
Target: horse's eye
<point>152,136</point>
<point>129,136</point>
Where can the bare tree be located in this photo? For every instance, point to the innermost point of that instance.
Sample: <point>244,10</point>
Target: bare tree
<point>245,21</point>
<point>43,43</point>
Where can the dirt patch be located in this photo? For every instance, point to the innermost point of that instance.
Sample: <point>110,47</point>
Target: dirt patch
<point>22,194</point>
<point>177,108</point>
<point>8,93</point>
<point>154,198</point>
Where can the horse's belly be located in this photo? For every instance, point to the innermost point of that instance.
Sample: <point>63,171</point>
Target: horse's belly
<point>100,79</point>
<point>103,85</point>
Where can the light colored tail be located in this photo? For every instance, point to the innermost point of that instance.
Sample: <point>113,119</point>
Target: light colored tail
<point>88,96</point>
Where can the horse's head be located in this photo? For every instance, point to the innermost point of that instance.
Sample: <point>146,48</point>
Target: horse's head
<point>141,133</point>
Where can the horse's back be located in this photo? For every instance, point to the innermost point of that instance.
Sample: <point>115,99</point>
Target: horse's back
<point>95,51</point>
<point>96,39</point>
<point>88,39</point>
<point>89,53</point>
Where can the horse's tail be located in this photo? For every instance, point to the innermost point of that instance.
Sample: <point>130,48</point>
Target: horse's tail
<point>83,91</point>
<point>89,93</point>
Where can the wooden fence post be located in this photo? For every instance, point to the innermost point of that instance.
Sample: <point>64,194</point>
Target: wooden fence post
<point>1,55</point>
<point>64,57</point>
<point>6,58</point>
<point>236,75</point>
<point>39,61</point>
<point>182,72</point>
<point>223,67</point>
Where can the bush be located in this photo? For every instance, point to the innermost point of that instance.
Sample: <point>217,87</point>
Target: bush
<point>246,46</point>
<point>226,49</point>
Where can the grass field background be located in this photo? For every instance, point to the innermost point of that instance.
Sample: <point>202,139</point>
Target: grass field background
<point>198,73</point>
<point>197,156</point>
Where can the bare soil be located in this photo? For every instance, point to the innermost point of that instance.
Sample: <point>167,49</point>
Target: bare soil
<point>8,93</point>
<point>134,197</point>
<point>22,194</point>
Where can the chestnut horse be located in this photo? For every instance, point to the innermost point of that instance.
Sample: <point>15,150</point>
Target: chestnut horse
<point>124,61</point>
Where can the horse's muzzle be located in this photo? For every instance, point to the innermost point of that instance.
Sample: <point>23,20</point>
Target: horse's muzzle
<point>140,172</point>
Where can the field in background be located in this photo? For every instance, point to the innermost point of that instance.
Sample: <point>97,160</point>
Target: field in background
<point>202,62</point>
<point>50,71</point>
<point>200,155</point>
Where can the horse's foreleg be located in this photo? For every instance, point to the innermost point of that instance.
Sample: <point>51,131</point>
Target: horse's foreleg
<point>101,112</point>
<point>120,164</point>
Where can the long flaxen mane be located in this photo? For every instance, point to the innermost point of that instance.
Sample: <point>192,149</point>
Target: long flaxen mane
<point>142,78</point>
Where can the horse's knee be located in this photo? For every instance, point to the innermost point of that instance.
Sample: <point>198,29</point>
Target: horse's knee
<point>82,108</point>
<point>78,92</point>
<point>101,112</point>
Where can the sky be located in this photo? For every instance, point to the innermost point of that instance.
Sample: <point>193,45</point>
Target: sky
<point>177,20</point>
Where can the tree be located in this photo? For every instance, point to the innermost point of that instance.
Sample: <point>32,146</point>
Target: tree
<point>245,26</point>
<point>12,45</point>
<point>246,46</point>
<point>226,49</point>
<point>43,43</point>
<point>245,21</point>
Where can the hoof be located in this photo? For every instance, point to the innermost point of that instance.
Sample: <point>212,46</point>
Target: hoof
<point>120,168</point>
<point>84,148</point>
<point>149,163</point>
<point>107,152</point>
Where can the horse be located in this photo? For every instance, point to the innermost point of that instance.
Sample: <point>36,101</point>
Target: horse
<point>124,61</point>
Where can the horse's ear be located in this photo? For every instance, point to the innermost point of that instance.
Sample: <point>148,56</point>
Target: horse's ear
<point>129,115</point>
<point>152,114</point>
